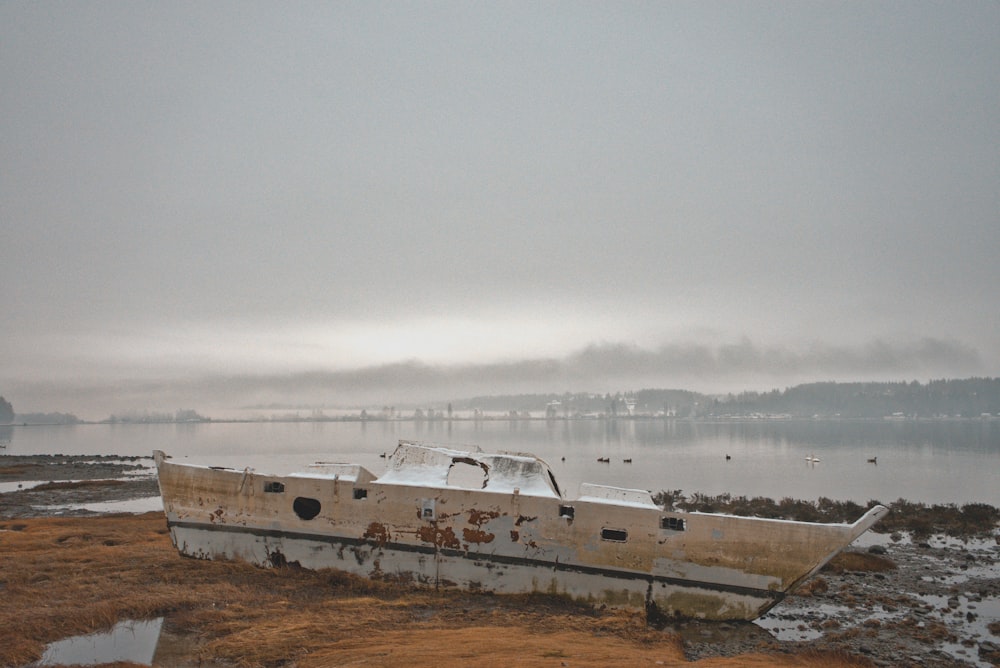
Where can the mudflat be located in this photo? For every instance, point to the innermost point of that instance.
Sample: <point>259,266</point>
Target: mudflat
<point>63,485</point>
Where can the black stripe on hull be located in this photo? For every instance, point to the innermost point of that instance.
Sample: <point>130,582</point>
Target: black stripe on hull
<point>773,596</point>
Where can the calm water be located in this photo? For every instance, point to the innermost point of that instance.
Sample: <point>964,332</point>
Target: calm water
<point>929,461</point>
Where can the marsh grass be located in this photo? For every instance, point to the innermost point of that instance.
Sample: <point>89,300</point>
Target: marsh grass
<point>858,562</point>
<point>963,521</point>
<point>62,577</point>
<point>79,484</point>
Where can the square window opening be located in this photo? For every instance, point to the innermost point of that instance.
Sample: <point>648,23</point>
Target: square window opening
<point>427,510</point>
<point>615,535</point>
<point>672,523</point>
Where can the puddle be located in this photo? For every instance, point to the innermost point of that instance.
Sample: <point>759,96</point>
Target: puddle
<point>970,573</point>
<point>20,485</point>
<point>24,485</point>
<point>802,624</point>
<point>135,506</point>
<point>869,538</point>
<point>131,641</point>
<point>789,630</point>
<point>151,642</point>
<point>984,610</point>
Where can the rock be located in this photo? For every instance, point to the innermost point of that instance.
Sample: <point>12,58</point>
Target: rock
<point>877,549</point>
<point>989,651</point>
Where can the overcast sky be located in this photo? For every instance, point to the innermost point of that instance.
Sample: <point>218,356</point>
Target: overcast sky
<point>236,202</point>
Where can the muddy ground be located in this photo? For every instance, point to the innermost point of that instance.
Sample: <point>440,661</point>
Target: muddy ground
<point>892,600</point>
<point>937,604</point>
<point>61,485</point>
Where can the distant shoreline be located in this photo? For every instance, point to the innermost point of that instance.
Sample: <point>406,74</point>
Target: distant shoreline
<point>525,418</point>
<point>954,399</point>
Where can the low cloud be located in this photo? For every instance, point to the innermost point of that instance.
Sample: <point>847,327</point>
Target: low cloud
<point>745,358</point>
<point>604,367</point>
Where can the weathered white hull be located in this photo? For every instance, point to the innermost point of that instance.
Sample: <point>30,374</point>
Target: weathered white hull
<point>609,546</point>
<point>476,572</point>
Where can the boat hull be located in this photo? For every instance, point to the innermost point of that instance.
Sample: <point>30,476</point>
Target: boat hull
<point>483,572</point>
<point>609,547</point>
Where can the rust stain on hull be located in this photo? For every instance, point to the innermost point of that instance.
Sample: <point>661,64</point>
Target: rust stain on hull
<point>476,536</point>
<point>480,517</point>
<point>377,533</point>
<point>439,537</point>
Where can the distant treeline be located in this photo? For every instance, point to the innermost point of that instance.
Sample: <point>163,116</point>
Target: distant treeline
<point>967,398</point>
<point>8,416</point>
<point>147,417</point>
<point>46,418</point>
<point>972,397</point>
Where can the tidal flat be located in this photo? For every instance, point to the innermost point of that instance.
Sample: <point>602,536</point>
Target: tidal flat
<point>924,595</point>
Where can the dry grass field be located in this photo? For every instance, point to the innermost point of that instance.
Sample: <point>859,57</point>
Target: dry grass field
<point>61,577</point>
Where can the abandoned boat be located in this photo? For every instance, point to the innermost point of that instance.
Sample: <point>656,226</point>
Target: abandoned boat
<point>499,523</point>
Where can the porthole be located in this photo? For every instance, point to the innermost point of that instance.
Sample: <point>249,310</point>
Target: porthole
<point>305,507</point>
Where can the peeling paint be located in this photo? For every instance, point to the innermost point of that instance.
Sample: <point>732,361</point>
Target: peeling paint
<point>439,537</point>
<point>481,517</point>
<point>477,536</point>
<point>378,533</point>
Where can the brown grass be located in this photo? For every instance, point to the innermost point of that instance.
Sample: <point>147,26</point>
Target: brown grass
<point>66,576</point>
<point>78,484</point>
<point>859,562</point>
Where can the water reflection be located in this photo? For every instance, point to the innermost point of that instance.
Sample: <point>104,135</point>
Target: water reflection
<point>934,461</point>
<point>131,641</point>
<point>151,642</point>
